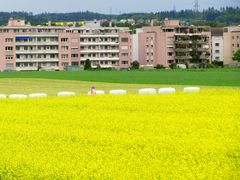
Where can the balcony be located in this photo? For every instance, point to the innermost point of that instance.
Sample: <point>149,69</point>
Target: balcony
<point>37,52</point>
<point>99,35</point>
<point>183,57</point>
<point>36,43</point>
<point>100,51</point>
<point>26,68</point>
<point>204,57</point>
<point>201,49</point>
<point>99,43</point>
<point>183,42</point>
<point>201,42</point>
<point>183,49</point>
<point>37,60</point>
<point>101,58</point>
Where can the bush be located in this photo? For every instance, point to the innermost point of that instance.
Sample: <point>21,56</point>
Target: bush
<point>159,66</point>
<point>135,65</point>
<point>218,63</point>
<point>173,66</point>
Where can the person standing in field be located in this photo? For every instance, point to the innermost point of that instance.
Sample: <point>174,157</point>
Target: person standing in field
<point>93,90</point>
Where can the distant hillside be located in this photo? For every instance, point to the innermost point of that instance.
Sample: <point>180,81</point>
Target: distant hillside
<point>226,16</point>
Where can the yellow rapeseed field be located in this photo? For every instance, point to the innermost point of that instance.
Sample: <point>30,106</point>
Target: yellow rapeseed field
<point>181,136</point>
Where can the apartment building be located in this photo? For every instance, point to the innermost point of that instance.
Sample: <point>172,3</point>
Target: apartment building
<point>217,44</point>
<point>24,47</point>
<point>231,40</point>
<point>173,43</point>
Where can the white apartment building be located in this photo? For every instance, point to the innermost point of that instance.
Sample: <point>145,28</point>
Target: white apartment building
<point>217,44</point>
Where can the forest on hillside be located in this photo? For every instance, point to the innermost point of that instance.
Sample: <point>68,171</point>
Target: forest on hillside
<point>210,16</point>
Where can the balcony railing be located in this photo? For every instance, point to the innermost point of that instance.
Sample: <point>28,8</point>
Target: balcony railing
<point>183,42</point>
<point>183,49</point>
<point>38,60</point>
<point>183,57</point>
<point>36,51</point>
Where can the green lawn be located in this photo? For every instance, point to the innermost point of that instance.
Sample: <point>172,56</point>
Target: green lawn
<point>210,77</point>
<point>52,87</point>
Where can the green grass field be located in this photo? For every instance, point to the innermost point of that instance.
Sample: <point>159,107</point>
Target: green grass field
<point>210,77</point>
<point>52,87</point>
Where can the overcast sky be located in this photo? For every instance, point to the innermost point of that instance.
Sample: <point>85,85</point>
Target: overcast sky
<point>107,6</point>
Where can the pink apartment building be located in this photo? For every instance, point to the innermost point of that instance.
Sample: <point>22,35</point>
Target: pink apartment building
<point>173,43</point>
<point>24,47</point>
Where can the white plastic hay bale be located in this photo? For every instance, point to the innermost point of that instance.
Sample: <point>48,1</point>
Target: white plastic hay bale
<point>3,96</point>
<point>191,89</point>
<point>98,92</point>
<point>147,91</point>
<point>37,95</point>
<point>167,90</point>
<point>17,96</point>
<point>64,94</point>
<point>118,92</point>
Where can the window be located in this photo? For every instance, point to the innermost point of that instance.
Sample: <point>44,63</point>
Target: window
<point>216,44</point>
<point>124,40</point>
<point>9,57</point>
<point>74,40</point>
<point>238,45</point>
<point>64,56</point>
<point>124,55</point>
<point>74,48</point>
<point>217,51</point>
<point>74,56</point>
<point>9,40</point>
<point>64,64</point>
<point>124,62</point>
<point>170,53</point>
<point>124,47</point>
<point>8,48</point>
<point>75,63</point>
<point>9,65</point>
<point>64,48</point>
<point>64,39</point>
<point>217,58</point>
<point>52,56</point>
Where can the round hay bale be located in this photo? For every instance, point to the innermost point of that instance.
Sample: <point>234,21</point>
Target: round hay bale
<point>17,96</point>
<point>118,92</point>
<point>3,96</point>
<point>147,91</point>
<point>191,89</point>
<point>37,95</point>
<point>167,90</point>
<point>64,94</point>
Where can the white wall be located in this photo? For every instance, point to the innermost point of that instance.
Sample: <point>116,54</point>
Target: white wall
<point>220,55</point>
<point>135,47</point>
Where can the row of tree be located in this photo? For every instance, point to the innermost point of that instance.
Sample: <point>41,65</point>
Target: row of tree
<point>211,16</point>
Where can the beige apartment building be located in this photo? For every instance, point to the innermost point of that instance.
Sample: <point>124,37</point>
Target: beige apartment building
<point>24,47</point>
<point>173,43</point>
<point>231,40</point>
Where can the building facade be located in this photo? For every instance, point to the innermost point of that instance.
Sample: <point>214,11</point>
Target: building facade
<point>25,47</point>
<point>173,43</point>
<point>231,40</point>
<point>217,44</point>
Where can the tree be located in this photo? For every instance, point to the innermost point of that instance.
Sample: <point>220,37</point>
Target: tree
<point>236,56</point>
<point>135,65</point>
<point>87,65</point>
